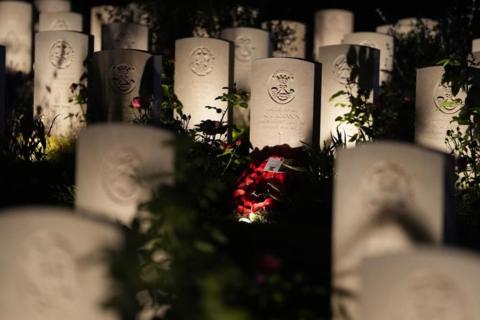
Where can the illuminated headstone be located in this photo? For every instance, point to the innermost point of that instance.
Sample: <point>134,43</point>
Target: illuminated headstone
<point>288,38</point>
<point>55,263</point>
<point>125,36</point>
<point>16,34</point>
<point>60,61</point>
<point>385,29</point>
<point>61,21</point>
<point>117,77</point>
<point>250,44</point>
<point>102,15</point>
<point>118,166</point>
<point>475,45</point>
<point>388,198</point>
<point>204,68</point>
<point>435,107</point>
<point>425,284</point>
<point>285,102</point>
<point>337,63</point>
<point>53,5</point>
<point>379,41</point>
<point>2,90</point>
<point>407,25</point>
<point>331,26</point>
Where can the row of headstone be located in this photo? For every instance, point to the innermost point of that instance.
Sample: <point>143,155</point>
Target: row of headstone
<point>407,25</point>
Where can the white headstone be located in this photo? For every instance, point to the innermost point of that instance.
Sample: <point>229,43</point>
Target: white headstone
<point>385,29</point>
<point>125,36</point>
<point>388,197</point>
<point>118,166</point>
<point>53,5</point>
<point>475,45</point>
<point>379,41</point>
<point>117,77</point>
<point>285,102</point>
<point>250,44</point>
<point>331,26</point>
<point>407,25</point>
<point>54,263</point>
<point>2,90</point>
<point>336,71</point>
<point>435,107</point>
<point>288,38</point>
<point>204,68</point>
<point>60,61</point>
<point>425,284</point>
<point>61,21</point>
<point>16,34</point>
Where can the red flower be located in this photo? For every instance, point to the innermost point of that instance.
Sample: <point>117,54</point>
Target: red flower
<point>268,264</point>
<point>136,103</point>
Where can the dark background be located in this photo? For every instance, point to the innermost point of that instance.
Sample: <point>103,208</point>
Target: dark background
<point>366,17</point>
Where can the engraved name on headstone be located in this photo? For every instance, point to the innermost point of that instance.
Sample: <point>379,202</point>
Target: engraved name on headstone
<point>285,102</point>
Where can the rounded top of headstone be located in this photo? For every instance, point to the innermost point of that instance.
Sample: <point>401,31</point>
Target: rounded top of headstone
<point>430,68</point>
<point>245,29</point>
<point>20,3</point>
<point>204,40</point>
<point>335,11</point>
<point>369,34</point>
<point>279,60</point>
<point>345,46</point>
<point>102,129</point>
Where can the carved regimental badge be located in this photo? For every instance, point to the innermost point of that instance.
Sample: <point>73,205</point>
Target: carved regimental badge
<point>445,101</point>
<point>281,87</point>
<point>121,169</point>
<point>59,24</point>
<point>49,275</point>
<point>123,78</point>
<point>386,188</point>
<point>430,294</point>
<point>202,61</point>
<point>61,54</point>
<point>341,69</point>
<point>244,48</point>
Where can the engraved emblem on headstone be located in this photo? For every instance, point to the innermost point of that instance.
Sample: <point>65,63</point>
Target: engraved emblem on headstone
<point>445,101</point>
<point>202,61</point>
<point>280,87</point>
<point>341,69</point>
<point>244,48</point>
<point>50,276</point>
<point>386,187</point>
<point>59,24</point>
<point>120,175</point>
<point>124,39</point>
<point>123,78</point>
<point>61,54</point>
<point>430,294</point>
